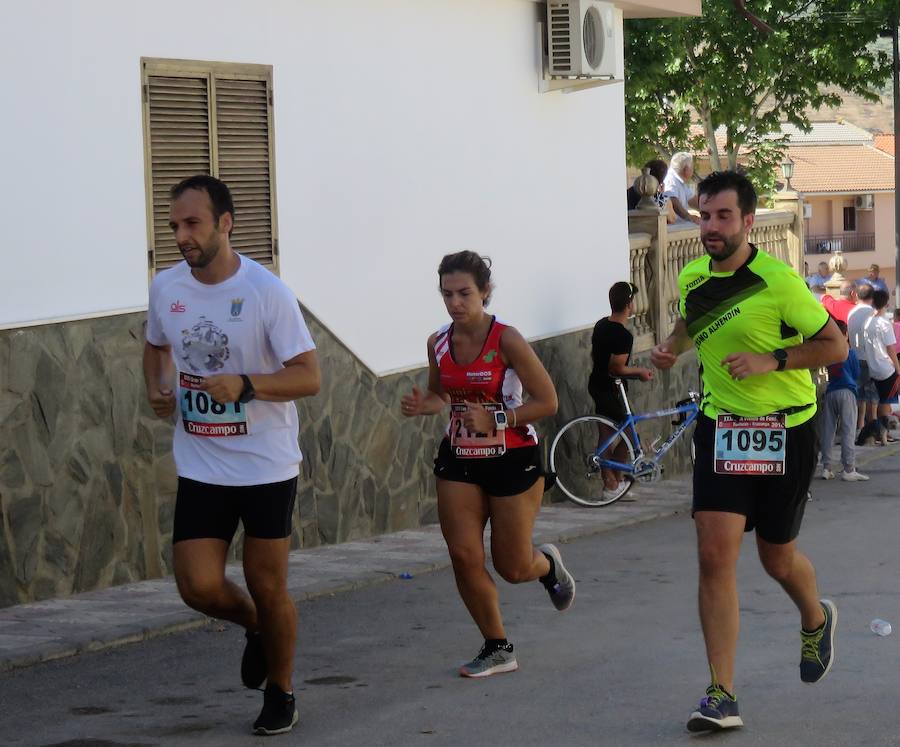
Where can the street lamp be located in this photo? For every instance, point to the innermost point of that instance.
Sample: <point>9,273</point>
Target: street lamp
<point>787,170</point>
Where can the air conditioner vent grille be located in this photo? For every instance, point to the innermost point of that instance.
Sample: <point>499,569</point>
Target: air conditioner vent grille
<point>560,38</point>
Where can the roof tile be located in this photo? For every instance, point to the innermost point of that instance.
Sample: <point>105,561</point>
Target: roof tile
<point>841,168</point>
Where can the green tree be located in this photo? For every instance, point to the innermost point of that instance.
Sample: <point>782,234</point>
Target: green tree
<point>721,70</point>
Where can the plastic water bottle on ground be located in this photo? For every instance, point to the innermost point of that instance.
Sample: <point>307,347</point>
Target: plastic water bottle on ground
<point>880,627</point>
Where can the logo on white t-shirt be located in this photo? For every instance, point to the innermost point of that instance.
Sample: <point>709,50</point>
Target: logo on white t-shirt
<point>204,347</point>
<point>236,305</point>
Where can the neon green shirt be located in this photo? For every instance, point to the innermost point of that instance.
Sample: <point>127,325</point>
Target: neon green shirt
<point>762,306</point>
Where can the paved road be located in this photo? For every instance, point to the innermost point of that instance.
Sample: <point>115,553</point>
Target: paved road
<point>623,667</point>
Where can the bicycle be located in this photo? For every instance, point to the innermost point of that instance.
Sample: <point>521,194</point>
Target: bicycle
<point>577,455</point>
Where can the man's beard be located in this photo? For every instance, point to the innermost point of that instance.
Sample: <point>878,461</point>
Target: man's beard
<point>206,254</point>
<point>730,244</point>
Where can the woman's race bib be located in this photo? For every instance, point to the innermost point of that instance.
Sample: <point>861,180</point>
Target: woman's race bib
<point>467,445</point>
<point>201,415</point>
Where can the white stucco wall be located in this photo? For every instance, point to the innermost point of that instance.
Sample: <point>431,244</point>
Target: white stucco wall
<point>404,130</point>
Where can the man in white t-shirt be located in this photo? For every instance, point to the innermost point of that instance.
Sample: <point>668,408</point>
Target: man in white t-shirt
<point>228,351</point>
<point>679,190</point>
<point>866,394</point>
<point>884,368</point>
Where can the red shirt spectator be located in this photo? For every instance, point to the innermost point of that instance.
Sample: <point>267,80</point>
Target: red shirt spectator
<point>840,308</point>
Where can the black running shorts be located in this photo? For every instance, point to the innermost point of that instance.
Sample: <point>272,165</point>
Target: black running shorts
<point>887,389</point>
<point>773,505</point>
<point>609,404</point>
<point>511,474</point>
<point>213,511</point>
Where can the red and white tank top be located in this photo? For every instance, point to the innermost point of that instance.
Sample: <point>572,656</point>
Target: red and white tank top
<point>488,381</point>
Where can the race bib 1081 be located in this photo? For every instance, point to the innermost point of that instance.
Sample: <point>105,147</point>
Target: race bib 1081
<point>201,415</point>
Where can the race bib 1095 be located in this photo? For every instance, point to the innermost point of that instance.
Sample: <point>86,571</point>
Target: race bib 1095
<point>750,446</point>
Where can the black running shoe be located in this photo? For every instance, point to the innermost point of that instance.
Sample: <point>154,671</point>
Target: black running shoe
<point>253,662</point>
<point>279,713</point>
<point>717,711</point>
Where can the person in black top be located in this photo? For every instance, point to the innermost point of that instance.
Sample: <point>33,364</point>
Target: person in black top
<point>658,169</point>
<point>611,345</point>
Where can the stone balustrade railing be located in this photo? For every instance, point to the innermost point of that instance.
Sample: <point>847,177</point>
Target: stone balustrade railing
<point>659,252</point>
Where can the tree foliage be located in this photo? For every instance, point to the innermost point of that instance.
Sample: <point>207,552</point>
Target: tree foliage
<point>720,70</point>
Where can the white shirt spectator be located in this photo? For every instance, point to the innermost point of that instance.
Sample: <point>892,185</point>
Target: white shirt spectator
<point>856,321</point>
<point>877,334</point>
<point>675,186</point>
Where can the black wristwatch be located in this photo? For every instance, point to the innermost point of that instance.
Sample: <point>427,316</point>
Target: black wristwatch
<point>248,393</point>
<point>780,355</point>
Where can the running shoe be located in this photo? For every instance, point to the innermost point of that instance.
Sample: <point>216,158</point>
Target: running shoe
<point>559,585</point>
<point>853,476</point>
<point>278,714</point>
<point>827,474</point>
<point>817,650</point>
<point>253,662</point>
<point>490,661</point>
<point>717,711</point>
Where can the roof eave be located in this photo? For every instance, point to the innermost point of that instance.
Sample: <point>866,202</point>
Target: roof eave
<point>660,8</point>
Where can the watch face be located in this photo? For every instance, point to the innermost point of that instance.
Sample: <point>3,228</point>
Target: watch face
<point>500,418</point>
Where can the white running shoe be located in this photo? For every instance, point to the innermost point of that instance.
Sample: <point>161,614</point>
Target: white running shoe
<point>827,474</point>
<point>854,476</point>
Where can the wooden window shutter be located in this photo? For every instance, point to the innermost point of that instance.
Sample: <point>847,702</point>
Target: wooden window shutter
<point>179,147</point>
<point>242,124</point>
<point>210,118</point>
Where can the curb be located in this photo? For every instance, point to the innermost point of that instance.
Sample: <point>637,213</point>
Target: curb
<point>656,505</point>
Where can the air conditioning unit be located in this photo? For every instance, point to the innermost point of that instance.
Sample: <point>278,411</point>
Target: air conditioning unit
<point>807,210</point>
<point>584,39</point>
<point>865,202</point>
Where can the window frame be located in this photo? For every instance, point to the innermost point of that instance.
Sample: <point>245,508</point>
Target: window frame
<point>849,211</point>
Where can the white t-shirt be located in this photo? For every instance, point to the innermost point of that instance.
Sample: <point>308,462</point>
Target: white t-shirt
<point>878,333</point>
<point>675,186</point>
<point>248,324</point>
<point>856,320</point>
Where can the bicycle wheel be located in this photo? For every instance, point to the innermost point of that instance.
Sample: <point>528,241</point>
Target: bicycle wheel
<point>574,460</point>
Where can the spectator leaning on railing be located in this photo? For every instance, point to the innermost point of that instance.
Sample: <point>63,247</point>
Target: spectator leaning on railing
<point>873,279</point>
<point>817,282</point>
<point>679,189</point>
<point>658,171</point>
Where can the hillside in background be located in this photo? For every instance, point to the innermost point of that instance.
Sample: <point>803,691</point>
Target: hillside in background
<point>872,116</point>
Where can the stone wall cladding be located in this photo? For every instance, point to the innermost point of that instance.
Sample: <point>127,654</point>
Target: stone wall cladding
<point>87,478</point>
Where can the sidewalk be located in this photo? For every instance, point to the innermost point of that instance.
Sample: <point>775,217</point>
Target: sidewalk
<point>58,628</point>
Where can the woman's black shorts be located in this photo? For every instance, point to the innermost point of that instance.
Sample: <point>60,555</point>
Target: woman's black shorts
<point>213,511</point>
<point>773,505</point>
<point>513,473</point>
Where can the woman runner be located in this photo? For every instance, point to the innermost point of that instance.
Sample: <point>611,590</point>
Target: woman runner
<point>488,465</point>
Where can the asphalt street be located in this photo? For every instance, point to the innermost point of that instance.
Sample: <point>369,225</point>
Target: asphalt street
<point>625,666</point>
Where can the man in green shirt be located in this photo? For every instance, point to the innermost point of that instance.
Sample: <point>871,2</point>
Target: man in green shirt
<point>758,331</point>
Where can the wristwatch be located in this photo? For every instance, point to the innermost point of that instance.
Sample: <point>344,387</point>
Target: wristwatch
<point>780,355</point>
<point>248,393</point>
<point>500,420</point>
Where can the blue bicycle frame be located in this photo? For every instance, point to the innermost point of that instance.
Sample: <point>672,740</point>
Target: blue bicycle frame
<point>687,410</point>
